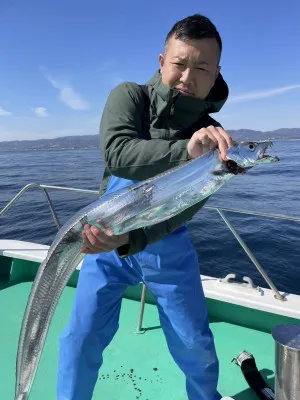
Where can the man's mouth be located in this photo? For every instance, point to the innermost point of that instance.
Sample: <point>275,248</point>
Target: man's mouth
<point>185,91</point>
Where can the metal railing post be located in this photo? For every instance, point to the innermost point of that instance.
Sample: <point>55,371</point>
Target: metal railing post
<point>142,308</point>
<point>278,296</point>
<point>55,217</point>
<point>44,190</point>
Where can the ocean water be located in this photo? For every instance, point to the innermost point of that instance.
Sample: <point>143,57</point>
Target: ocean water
<point>272,188</point>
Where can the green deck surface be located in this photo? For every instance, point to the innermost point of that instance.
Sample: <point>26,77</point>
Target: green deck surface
<point>135,366</point>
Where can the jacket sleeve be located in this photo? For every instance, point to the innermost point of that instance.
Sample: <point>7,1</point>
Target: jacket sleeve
<point>126,154</point>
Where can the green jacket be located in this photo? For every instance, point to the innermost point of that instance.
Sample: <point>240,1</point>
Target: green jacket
<point>128,155</point>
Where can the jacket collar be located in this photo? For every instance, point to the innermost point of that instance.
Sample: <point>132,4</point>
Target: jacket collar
<point>212,103</point>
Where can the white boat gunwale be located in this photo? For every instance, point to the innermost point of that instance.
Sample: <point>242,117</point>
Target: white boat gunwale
<point>241,294</point>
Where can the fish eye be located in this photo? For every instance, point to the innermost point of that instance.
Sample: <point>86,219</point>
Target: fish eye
<point>251,146</point>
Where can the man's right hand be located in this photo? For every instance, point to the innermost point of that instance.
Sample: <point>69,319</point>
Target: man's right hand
<point>207,139</point>
<point>97,241</point>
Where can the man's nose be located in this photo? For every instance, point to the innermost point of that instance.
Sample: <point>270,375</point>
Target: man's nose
<point>187,76</point>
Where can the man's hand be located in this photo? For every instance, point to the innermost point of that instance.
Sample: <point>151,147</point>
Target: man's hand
<point>96,241</point>
<point>207,139</point>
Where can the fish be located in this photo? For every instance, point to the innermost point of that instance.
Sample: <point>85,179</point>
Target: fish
<point>138,205</point>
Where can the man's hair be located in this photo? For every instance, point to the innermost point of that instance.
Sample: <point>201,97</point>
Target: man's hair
<point>194,27</point>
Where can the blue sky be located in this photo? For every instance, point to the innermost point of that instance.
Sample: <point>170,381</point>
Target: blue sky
<point>60,59</point>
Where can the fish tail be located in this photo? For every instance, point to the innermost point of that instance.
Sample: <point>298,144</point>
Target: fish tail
<point>28,359</point>
<point>22,396</point>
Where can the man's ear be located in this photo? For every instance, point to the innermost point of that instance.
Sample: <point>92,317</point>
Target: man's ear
<point>161,60</point>
<point>218,71</point>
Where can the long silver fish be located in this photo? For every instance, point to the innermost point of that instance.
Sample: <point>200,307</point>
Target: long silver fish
<point>139,205</point>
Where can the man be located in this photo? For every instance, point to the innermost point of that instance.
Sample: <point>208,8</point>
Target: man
<point>187,87</point>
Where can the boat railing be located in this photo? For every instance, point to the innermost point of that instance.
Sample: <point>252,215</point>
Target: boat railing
<point>219,210</point>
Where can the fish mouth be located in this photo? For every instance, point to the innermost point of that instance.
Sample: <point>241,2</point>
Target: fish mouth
<point>236,169</point>
<point>262,154</point>
<point>263,157</point>
<point>266,157</point>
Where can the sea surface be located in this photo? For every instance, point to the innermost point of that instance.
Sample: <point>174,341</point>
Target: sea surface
<point>272,188</point>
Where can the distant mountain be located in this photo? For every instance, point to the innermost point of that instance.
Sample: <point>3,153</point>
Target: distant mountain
<point>279,134</point>
<point>92,141</point>
<point>60,143</point>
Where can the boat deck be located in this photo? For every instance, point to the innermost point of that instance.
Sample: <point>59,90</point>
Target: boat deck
<point>136,366</point>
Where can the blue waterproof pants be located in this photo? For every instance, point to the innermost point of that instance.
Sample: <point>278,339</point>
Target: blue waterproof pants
<point>170,269</point>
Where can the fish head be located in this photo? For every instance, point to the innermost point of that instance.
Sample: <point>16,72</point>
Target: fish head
<point>245,155</point>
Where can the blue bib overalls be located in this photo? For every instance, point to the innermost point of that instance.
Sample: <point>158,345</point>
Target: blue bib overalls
<point>170,269</point>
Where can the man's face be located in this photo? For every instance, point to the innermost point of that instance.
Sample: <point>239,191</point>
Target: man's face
<point>191,67</point>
